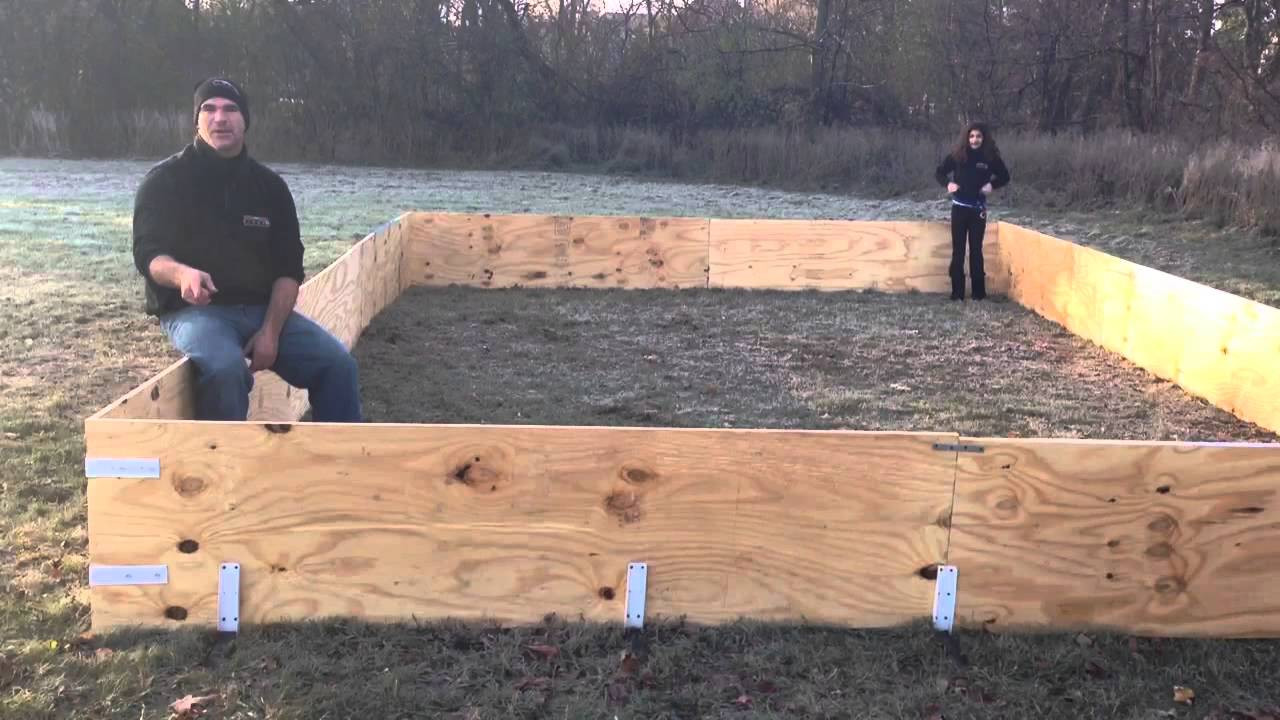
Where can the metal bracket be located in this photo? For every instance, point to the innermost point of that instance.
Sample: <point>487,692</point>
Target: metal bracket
<point>637,582</point>
<point>944,599</point>
<point>101,575</point>
<point>950,447</point>
<point>229,597</point>
<point>122,467</point>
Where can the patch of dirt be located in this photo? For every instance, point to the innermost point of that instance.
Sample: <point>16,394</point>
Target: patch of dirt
<point>68,349</point>
<point>717,358</point>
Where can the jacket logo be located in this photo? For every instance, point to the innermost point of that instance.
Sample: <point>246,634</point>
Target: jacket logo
<point>982,166</point>
<point>255,221</point>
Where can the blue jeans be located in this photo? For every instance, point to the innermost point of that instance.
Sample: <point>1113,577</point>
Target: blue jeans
<point>309,357</point>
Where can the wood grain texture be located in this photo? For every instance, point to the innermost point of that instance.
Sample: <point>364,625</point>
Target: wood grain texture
<point>842,255</point>
<point>1215,345</point>
<point>343,298</point>
<point>1149,538</point>
<point>169,394</point>
<point>552,251</point>
<point>509,523</point>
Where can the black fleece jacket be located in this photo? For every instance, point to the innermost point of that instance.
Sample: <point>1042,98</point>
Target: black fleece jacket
<point>232,218</point>
<point>972,174</point>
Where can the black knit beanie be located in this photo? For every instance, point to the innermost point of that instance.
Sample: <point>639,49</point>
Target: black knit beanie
<point>223,88</point>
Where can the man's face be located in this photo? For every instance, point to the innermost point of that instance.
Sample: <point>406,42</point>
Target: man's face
<point>975,139</point>
<point>221,125</point>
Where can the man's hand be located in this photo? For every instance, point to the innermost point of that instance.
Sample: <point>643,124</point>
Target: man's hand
<point>986,189</point>
<point>952,187</point>
<point>261,349</point>
<point>196,286</point>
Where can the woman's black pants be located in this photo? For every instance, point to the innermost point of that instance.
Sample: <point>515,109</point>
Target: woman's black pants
<point>967,227</point>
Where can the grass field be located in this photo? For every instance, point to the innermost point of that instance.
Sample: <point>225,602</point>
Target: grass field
<point>719,358</point>
<point>72,337</point>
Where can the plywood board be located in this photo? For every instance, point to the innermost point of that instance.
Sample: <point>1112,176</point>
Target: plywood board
<point>842,255</point>
<point>498,251</point>
<point>1149,538</point>
<point>1213,344</point>
<point>509,523</point>
<point>168,394</point>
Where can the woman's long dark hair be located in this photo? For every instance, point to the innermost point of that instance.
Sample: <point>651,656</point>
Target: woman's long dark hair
<point>989,150</point>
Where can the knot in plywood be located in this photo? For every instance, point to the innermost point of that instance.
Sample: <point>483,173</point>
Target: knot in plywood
<point>1007,506</point>
<point>636,475</point>
<point>624,505</point>
<point>1171,585</point>
<point>481,469</point>
<point>188,485</point>
<point>1163,524</point>
<point>944,520</point>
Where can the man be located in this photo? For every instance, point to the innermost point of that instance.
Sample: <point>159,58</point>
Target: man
<point>215,236</point>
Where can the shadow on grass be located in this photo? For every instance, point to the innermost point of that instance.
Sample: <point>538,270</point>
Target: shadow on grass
<point>671,669</point>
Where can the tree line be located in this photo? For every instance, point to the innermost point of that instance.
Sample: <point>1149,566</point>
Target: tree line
<point>417,80</point>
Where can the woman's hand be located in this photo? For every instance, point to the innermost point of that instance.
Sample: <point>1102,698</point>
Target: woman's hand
<point>952,187</point>
<point>986,189</point>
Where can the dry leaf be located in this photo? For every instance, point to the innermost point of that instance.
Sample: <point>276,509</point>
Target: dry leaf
<point>192,706</point>
<point>1133,645</point>
<point>268,664</point>
<point>534,683</point>
<point>546,651</point>
<point>85,639</point>
<point>743,700</point>
<point>767,687</point>
<point>1095,670</point>
<point>933,712</point>
<point>1084,640</point>
<point>12,435</point>
<point>959,685</point>
<point>1239,715</point>
<point>617,692</point>
<point>1184,695</point>
<point>103,653</point>
<point>630,663</point>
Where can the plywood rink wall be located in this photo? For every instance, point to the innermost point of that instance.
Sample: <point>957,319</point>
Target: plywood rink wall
<point>509,523</point>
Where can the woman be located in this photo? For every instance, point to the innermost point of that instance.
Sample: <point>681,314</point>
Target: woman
<point>975,169</point>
